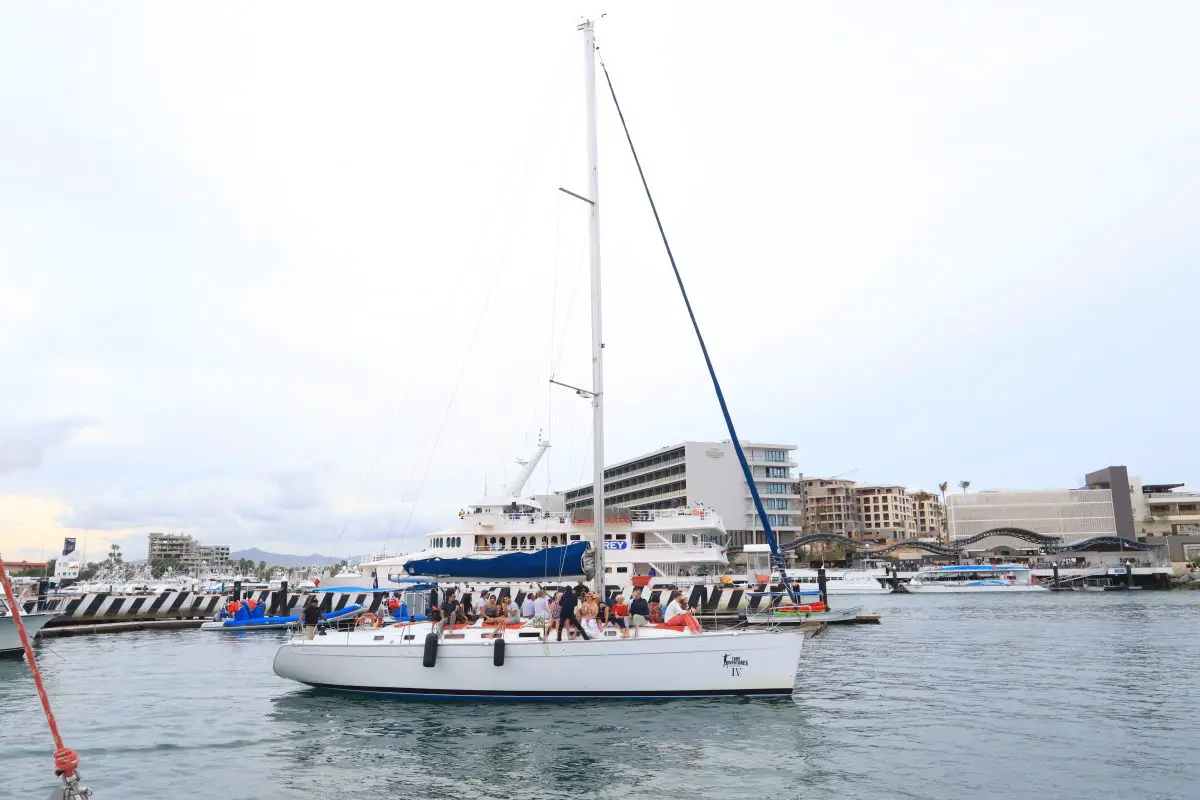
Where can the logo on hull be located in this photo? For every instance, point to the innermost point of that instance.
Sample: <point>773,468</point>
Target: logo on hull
<point>735,664</point>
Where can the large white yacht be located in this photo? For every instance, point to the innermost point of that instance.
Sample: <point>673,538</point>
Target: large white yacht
<point>658,545</point>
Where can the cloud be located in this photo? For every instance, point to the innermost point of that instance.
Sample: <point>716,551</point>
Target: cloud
<point>284,505</point>
<point>25,446</point>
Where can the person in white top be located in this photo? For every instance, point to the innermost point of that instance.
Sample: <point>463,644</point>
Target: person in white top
<point>541,606</point>
<point>673,609</point>
<point>677,613</point>
<point>527,606</point>
<point>481,603</point>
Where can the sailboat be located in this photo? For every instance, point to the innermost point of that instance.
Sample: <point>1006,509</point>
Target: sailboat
<point>520,661</point>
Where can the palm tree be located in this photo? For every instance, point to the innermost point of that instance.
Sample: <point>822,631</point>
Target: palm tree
<point>114,554</point>
<point>964,485</point>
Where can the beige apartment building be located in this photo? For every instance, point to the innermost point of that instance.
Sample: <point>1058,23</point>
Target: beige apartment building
<point>871,511</point>
<point>186,550</point>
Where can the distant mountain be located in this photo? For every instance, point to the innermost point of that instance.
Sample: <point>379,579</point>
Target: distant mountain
<point>280,559</point>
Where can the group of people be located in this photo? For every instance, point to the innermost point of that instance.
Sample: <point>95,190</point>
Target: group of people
<point>578,611</point>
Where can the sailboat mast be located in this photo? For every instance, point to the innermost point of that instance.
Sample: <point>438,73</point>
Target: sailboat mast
<point>589,77</point>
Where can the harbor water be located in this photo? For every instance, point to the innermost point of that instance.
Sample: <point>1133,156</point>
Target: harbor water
<point>1058,695</point>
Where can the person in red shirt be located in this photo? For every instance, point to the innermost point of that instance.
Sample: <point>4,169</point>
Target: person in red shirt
<point>618,615</point>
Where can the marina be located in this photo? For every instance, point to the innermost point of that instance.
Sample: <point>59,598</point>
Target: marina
<point>157,712</point>
<point>261,349</point>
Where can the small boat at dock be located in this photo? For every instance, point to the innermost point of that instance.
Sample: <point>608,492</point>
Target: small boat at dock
<point>265,623</point>
<point>807,607</point>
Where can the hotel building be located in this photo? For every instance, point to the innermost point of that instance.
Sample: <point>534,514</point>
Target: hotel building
<point>689,473</point>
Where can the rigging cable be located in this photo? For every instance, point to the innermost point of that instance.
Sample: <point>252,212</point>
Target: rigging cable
<point>776,556</point>
<point>382,444</point>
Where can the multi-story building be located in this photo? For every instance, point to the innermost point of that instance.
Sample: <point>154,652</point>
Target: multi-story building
<point>929,516</point>
<point>1160,510</point>
<point>831,506</point>
<point>690,473</point>
<point>886,511</point>
<point>871,511</point>
<point>175,546</point>
<point>215,555</point>
<point>186,550</point>
<point>1103,508</point>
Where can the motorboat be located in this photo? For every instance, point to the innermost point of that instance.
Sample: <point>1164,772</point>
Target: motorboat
<point>34,619</point>
<point>262,622</point>
<point>972,578</point>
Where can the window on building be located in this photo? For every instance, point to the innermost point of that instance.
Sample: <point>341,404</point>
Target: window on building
<point>775,455</point>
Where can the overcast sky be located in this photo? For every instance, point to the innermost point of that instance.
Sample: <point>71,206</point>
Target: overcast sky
<point>295,276</point>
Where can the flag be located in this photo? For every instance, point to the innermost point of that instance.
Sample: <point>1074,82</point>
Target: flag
<point>68,547</point>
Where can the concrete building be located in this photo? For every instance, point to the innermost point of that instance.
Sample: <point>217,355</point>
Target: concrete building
<point>886,512</point>
<point>709,473</point>
<point>215,555</point>
<point>1160,510</point>
<point>831,506</point>
<point>929,516</point>
<point>1102,508</point>
<point>186,550</point>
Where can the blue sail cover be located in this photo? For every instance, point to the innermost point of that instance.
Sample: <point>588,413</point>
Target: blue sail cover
<point>548,562</point>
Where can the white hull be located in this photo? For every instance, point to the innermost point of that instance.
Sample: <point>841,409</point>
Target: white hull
<point>269,626</point>
<point>858,586</point>
<point>773,618</point>
<point>10,641</point>
<point>661,663</point>
<point>936,589</point>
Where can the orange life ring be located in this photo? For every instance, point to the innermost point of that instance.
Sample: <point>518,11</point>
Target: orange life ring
<point>368,620</point>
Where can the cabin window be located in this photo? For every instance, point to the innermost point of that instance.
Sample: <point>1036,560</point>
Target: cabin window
<point>608,570</point>
<point>620,537</point>
<point>574,537</point>
<point>545,541</point>
<point>608,537</point>
<point>554,540</point>
<point>524,542</point>
<point>622,569</point>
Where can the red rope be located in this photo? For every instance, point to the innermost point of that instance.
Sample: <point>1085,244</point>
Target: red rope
<point>66,760</point>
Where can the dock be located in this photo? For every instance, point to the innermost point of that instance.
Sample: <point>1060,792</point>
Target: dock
<point>91,629</point>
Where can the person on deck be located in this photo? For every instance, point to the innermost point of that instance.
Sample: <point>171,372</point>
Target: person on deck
<point>312,615</point>
<point>541,606</point>
<point>491,612</point>
<point>617,615</point>
<point>566,615</point>
<point>589,614</point>
<point>639,612</point>
<point>452,613</point>
<point>512,611</point>
<point>677,613</point>
<point>554,607</point>
<point>527,610</point>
